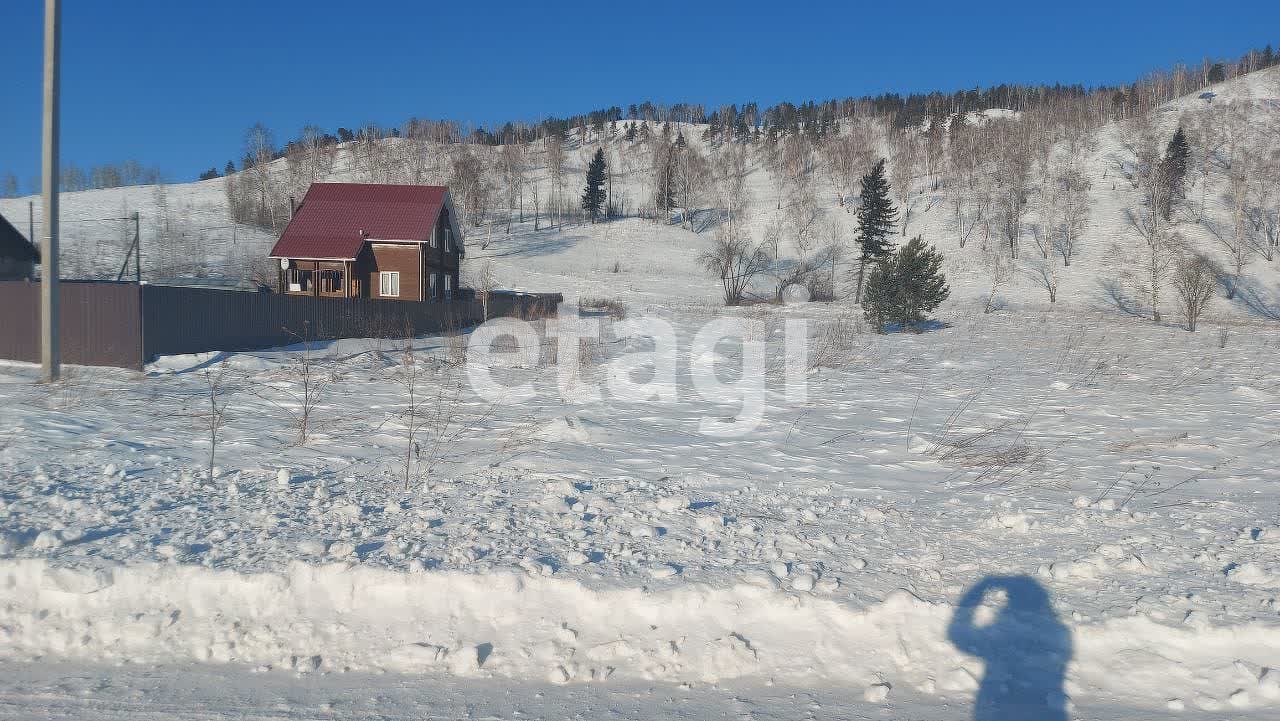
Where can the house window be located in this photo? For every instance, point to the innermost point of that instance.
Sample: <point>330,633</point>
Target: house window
<point>435,286</point>
<point>389,284</point>
<point>448,287</point>
<point>299,280</point>
<point>448,240</point>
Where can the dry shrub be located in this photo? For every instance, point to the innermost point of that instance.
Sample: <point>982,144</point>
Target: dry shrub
<point>540,310</point>
<point>998,453</point>
<point>455,348</point>
<point>612,306</point>
<point>833,341</point>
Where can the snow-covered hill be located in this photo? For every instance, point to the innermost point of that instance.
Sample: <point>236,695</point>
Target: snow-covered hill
<point>186,228</point>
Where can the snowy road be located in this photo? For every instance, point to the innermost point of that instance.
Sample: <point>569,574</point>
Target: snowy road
<point>206,693</point>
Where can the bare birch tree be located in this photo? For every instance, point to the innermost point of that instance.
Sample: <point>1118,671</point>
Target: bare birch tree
<point>214,415</point>
<point>905,155</point>
<point>1194,281</point>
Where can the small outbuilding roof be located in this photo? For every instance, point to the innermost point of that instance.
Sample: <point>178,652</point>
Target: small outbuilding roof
<point>335,219</point>
<point>14,246</point>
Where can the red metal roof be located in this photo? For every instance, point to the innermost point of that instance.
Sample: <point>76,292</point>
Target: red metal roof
<point>332,215</point>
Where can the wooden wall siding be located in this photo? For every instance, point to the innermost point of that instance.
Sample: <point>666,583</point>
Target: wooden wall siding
<point>100,323</point>
<point>437,256</point>
<point>440,260</point>
<point>403,258</point>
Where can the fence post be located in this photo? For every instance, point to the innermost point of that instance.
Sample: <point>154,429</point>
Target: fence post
<point>142,327</point>
<point>137,248</point>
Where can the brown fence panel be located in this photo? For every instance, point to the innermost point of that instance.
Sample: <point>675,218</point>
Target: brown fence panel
<point>196,320</point>
<point>126,325</point>
<point>100,323</point>
<point>529,306</point>
<point>20,321</point>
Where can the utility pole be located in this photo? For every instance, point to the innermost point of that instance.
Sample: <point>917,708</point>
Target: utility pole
<point>137,248</point>
<point>135,251</point>
<point>50,356</point>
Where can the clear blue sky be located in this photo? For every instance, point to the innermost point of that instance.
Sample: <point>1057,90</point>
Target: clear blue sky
<point>174,83</point>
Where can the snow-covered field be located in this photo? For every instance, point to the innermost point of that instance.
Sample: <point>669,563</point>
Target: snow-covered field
<point>571,557</point>
<point>1127,469</point>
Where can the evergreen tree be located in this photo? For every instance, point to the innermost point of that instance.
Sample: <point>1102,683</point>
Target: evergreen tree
<point>593,194</point>
<point>680,144</point>
<point>876,218</point>
<point>230,169</point>
<point>905,286</point>
<point>631,131</point>
<point>1174,170</point>
<point>1177,152</point>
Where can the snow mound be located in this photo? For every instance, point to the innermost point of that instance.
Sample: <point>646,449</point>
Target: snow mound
<point>325,617</point>
<point>565,429</point>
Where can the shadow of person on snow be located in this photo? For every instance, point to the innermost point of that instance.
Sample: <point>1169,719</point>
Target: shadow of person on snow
<point>1024,646</point>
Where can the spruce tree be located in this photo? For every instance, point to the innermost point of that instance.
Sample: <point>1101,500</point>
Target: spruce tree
<point>1177,154</point>
<point>905,286</point>
<point>1174,170</point>
<point>876,218</point>
<point>593,194</point>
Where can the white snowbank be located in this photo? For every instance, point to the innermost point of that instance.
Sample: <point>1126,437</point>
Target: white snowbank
<point>338,617</point>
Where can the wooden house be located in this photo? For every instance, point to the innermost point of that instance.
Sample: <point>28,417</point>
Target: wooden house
<point>351,240</point>
<point>18,257</point>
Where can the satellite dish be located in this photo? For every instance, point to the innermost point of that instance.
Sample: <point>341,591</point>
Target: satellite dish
<point>284,264</point>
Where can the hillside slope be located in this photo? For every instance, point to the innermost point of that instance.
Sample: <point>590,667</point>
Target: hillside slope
<point>186,228</point>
